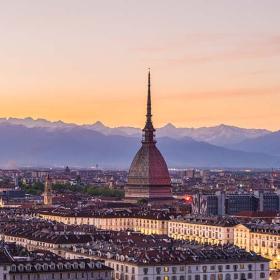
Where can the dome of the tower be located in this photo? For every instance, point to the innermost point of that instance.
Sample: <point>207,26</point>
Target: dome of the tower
<point>148,167</point>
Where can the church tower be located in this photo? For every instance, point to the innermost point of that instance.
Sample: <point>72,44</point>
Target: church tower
<point>148,176</point>
<point>48,192</point>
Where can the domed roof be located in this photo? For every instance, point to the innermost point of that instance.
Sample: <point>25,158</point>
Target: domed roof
<point>148,167</point>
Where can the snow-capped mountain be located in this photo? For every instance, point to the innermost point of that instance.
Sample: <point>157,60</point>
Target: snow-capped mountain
<point>221,135</point>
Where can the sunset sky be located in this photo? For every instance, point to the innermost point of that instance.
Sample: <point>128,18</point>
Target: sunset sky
<point>212,61</point>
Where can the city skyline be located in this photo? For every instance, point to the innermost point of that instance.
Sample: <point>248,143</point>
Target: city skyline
<point>82,63</point>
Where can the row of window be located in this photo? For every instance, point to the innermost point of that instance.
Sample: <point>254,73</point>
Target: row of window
<point>235,276</point>
<point>205,268</point>
<point>60,276</point>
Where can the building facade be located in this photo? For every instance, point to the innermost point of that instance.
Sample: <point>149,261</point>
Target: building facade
<point>52,268</point>
<point>262,239</point>
<point>203,230</point>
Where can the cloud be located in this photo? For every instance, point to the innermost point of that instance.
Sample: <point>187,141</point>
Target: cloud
<point>232,93</point>
<point>204,48</point>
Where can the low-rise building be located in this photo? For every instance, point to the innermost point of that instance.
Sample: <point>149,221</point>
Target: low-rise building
<point>137,257</point>
<point>211,230</point>
<point>49,267</point>
<point>264,239</point>
<point>147,222</point>
<point>33,239</point>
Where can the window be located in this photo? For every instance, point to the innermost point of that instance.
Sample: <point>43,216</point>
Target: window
<point>145,278</point>
<point>262,275</point>
<point>166,278</point>
<point>220,276</point>
<point>228,276</point>
<point>204,268</point>
<point>213,277</point>
<point>174,269</point>
<point>166,269</point>
<point>242,266</point>
<point>220,268</point>
<point>250,267</point>
<point>197,277</point>
<point>250,275</point>
<point>189,277</point>
<point>242,276</point>
<point>205,277</point>
<point>212,267</point>
<point>145,270</point>
<point>227,266</point>
<point>262,266</point>
<point>158,278</point>
<point>182,268</point>
<point>182,277</point>
<point>235,267</point>
<point>174,277</point>
<point>158,270</point>
<point>235,276</point>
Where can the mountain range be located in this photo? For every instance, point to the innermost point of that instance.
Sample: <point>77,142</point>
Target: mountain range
<point>29,142</point>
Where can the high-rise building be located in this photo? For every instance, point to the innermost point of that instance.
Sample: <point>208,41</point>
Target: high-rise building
<point>148,176</point>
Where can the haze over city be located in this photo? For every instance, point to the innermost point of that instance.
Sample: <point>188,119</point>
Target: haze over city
<point>212,62</point>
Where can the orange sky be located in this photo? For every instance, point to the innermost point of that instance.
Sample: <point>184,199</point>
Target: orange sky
<point>83,61</point>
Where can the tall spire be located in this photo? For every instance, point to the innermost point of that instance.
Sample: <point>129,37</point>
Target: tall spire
<point>149,102</point>
<point>148,131</point>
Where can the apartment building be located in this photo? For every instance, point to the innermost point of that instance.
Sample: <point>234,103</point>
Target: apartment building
<point>263,239</point>
<point>203,230</point>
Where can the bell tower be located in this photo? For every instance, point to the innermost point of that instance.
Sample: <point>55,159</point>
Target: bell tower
<point>48,199</point>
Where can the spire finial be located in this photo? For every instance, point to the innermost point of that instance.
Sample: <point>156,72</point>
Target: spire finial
<point>149,130</point>
<point>149,102</point>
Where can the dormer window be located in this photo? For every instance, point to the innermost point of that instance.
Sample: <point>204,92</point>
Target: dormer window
<point>13,267</point>
<point>38,267</point>
<point>75,265</point>
<point>20,267</point>
<point>82,265</point>
<point>28,267</point>
<point>68,266</point>
<point>98,265</point>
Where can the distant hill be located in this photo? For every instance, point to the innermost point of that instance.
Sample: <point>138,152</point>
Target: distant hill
<point>80,146</point>
<point>268,144</point>
<point>221,135</point>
